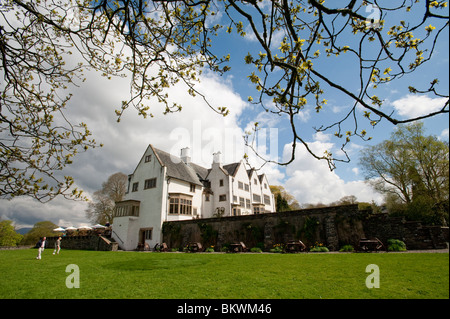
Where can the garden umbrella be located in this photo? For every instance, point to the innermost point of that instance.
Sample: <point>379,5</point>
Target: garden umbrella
<point>59,229</point>
<point>84,228</point>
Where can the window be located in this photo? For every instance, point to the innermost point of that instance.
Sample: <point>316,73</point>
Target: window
<point>247,187</point>
<point>223,198</point>
<point>234,199</point>
<point>127,208</point>
<point>241,202</point>
<point>255,181</point>
<point>148,234</point>
<point>240,185</point>
<point>221,183</point>
<point>236,211</point>
<point>258,210</point>
<point>247,203</point>
<point>265,185</point>
<point>173,206</point>
<point>148,158</point>
<point>267,199</point>
<point>180,205</point>
<point>135,187</point>
<point>256,198</point>
<point>150,183</point>
<point>185,206</point>
<point>192,188</point>
<point>206,197</point>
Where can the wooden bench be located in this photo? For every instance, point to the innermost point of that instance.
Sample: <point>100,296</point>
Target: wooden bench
<point>195,247</point>
<point>295,246</point>
<point>373,244</point>
<point>238,247</point>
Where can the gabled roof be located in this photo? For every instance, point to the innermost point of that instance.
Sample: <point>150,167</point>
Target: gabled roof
<point>229,169</point>
<point>232,168</point>
<point>176,168</point>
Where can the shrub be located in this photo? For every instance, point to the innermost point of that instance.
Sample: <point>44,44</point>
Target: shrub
<point>225,248</point>
<point>256,250</point>
<point>209,249</point>
<point>319,247</point>
<point>396,245</point>
<point>277,248</point>
<point>346,248</point>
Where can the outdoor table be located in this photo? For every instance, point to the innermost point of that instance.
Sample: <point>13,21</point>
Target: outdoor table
<point>370,244</point>
<point>194,247</point>
<point>234,248</point>
<point>294,246</point>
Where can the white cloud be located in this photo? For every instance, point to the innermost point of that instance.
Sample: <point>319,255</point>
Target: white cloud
<point>25,212</point>
<point>417,105</point>
<point>311,181</point>
<point>321,137</point>
<point>444,135</point>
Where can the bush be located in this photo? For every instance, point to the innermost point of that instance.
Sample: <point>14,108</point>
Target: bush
<point>256,250</point>
<point>277,248</point>
<point>396,245</point>
<point>209,249</point>
<point>348,248</point>
<point>319,247</point>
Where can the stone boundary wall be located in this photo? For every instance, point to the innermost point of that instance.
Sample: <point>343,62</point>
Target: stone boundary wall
<point>331,226</point>
<point>98,243</point>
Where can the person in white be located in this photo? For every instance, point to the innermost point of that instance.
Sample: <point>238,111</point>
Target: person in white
<point>41,246</point>
<point>57,246</point>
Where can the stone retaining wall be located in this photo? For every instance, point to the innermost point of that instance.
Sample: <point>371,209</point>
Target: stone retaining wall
<point>332,226</point>
<point>93,242</point>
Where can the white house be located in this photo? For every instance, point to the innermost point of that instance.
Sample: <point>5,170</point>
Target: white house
<point>164,187</point>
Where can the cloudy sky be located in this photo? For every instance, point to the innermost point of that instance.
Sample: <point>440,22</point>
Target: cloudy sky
<point>206,132</point>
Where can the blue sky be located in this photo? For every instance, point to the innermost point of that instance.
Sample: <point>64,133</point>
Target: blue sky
<point>205,132</point>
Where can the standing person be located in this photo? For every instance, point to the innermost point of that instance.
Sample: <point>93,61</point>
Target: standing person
<point>41,246</point>
<point>57,246</point>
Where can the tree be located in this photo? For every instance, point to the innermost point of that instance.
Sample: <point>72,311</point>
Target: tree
<point>39,230</point>
<point>283,200</point>
<point>45,46</point>
<point>101,209</point>
<point>412,169</point>
<point>8,235</point>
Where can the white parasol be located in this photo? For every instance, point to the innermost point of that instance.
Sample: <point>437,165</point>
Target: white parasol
<point>84,228</point>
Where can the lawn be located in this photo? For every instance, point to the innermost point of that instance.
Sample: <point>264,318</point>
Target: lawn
<point>218,276</point>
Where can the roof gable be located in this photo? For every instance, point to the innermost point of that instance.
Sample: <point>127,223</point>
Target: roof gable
<point>232,168</point>
<point>176,168</point>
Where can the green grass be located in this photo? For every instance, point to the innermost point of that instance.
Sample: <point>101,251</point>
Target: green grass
<point>181,275</point>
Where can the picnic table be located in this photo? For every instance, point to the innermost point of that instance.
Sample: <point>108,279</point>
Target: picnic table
<point>295,246</point>
<point>238,247</point>
<point>195,247</point>
<point>373,244</point>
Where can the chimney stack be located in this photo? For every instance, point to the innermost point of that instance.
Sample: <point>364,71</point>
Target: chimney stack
<point>186,155</point>
<point>217,159</point>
